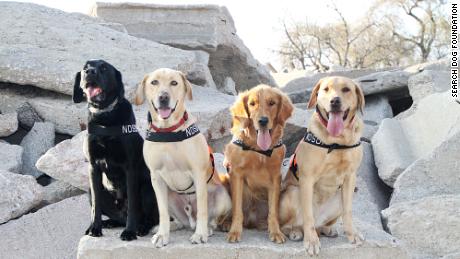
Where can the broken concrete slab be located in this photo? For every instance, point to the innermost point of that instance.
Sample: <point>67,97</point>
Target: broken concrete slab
<point>11,157</point>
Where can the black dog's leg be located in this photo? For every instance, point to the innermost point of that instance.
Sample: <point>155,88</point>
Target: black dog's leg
<point>95,228</point>
<point>117,218</point>
<point>149,208</point>
<point>129,233</point>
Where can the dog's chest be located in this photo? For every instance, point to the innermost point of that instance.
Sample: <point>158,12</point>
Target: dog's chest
<point>108,149</point>
<point>174,170</point>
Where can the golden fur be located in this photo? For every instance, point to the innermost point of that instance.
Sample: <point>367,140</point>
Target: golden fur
<point>255,178</point>
<point>325,189</point>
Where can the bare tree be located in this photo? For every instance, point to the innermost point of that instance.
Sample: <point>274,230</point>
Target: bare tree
<point>430,24</point>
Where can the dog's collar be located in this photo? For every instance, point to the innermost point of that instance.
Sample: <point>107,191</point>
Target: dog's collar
<point>245,147</point>
<point>177,136</point>
<point>313,140</point>
<point>169,129</point>
<point>106,109</point>
<point>119,130</point>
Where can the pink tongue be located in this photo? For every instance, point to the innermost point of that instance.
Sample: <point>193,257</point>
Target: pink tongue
<point>264,140</point>
<point>335,123</point>
<point>93,91</point>
<point>164,113</point>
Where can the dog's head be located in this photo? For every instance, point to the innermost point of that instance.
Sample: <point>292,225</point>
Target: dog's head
<point>262,109</point>
<point>165,90</point>
<point>100,82</point>
<point>338,99</point>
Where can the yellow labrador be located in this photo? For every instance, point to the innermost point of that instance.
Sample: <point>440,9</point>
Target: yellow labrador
<point>322,177</point>
<point>180,163</point>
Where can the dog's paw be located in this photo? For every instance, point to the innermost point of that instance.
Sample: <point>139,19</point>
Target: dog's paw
<point>355,238</point>
<point>142,230</point>
<point>128,235</point>
<point>110,223</point>
<point>225,226</point>
<point>295,234</point>
<point>234,236</point>
<point>312,244</point>
<point>94,231</point>
<point>159,240</point>
<point>198,238</point>
<point>329,231</point>
<point>277,237</point>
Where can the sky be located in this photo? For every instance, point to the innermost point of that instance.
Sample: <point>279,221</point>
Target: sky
<point>258,23</point>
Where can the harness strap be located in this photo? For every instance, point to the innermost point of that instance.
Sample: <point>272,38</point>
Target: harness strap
<point>118,130</point>
<point>183,192</point>
<point>178,136</point>
<point>245,147</point>
<point>293,166</point>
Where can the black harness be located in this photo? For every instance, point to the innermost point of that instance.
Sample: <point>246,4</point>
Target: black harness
<point>245,147</point>
<point>313,140</point>
<point>177,136</point>
<point>119,130</point>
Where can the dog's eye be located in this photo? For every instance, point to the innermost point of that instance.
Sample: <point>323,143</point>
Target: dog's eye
<point>154,82</point>
<point>173,82</point>
<point>271,103</point>
<point>326,89</point>
<point>252,103</point>
<point>345,89</point>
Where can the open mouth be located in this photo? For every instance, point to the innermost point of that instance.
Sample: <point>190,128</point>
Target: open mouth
<point>335,122</point>
<point>93,90</point>
<point>164,112</point>
<point>264,138</point>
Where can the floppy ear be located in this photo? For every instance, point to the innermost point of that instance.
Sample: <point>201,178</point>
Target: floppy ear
<point>285,108</point>
<point>77,91</point>
<point>140,94</point>
<point>239,110</point>
<point>188,86</point>
<point>314,94</point>
<point>121,87</point>
<point>360,97</point>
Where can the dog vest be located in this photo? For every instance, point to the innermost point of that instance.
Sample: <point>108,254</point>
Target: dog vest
<point>313,140</point>
<point>119,130</point>
<point>155,134</point>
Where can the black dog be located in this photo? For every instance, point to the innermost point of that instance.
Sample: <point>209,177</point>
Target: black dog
<point>120,185</point>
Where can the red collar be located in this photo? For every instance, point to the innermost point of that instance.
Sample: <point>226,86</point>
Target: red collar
<point>172,128</point>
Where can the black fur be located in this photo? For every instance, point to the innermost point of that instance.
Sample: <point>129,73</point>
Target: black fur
<point>132,202</point>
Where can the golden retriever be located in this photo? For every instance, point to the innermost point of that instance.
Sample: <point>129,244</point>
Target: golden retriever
<point>182,172</point>
<point>322,189</point>
<point>255,156</point>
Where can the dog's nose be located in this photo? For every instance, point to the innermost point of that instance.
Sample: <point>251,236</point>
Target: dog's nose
<point>164,99</point>
<point>263,121</point>
<point>336,101</point>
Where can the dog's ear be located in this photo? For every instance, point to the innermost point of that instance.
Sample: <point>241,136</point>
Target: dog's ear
<point>77,91</point>
<point>314,95</point>
<point>360,97</point>
<point>119,79</point>
<point>240,110</point>
<point>188,86</point>
<point>140,94</point>
<point>285,108</point>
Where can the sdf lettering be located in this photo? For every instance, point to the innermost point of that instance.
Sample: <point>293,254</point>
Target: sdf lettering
<point>192,130</point>
<point>126,129</point>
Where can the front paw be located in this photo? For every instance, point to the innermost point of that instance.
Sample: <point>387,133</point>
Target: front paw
<point>277,237</point>
<point>199,238</point>
<point>128,235</point>
<point>94,230</point>
<point>234,236</point>
<point>355,238</point>
<point>160,240</point>
<point>312,244</point>
<point>142,230</point>
<point>225,226</point>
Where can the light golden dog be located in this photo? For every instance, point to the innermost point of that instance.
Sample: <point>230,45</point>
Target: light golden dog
<point>183,175</point>
<point>255,156</point>
<point>327,159</point>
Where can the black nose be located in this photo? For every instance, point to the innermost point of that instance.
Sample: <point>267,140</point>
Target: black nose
<point>263,121</point>
<point>336,101</point>
<point>164,99</point>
